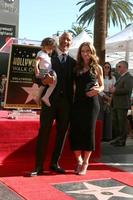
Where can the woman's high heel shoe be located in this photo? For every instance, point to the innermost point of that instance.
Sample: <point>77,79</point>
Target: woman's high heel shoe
<point>78,168</point>
<point>83,169</point>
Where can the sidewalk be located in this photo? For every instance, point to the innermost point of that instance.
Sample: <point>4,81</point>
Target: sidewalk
<point>120,157</point>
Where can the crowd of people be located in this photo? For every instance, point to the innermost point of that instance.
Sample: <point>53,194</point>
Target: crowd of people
<point>115,103</point>
<point>74,93</point>
<point>81,90</point>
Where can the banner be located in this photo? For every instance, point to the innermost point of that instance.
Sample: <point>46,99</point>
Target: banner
<point>20,89</point>
<point>6,32</point>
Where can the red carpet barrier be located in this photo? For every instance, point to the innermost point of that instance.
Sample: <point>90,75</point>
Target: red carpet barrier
<point>18,140</point>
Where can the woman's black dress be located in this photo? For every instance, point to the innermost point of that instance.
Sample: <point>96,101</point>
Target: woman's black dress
<point>84,114</point>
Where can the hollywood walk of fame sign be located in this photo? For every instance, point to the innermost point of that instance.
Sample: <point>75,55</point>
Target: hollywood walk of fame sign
<point>21,89</point>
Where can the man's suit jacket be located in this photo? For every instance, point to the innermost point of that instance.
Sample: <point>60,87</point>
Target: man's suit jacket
<point>64,74</point>
<point>122,94</point>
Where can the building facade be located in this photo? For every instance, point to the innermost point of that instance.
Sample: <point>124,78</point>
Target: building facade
<point>9,20</point>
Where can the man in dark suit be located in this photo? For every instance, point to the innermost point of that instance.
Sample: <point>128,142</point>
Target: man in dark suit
<point>61,102</point>
<point>121,103</point>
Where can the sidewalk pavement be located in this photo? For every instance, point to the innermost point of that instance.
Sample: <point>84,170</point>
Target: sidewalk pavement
<point>120,157</point>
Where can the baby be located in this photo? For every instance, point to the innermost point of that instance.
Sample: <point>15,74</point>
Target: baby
<point>43,68</point>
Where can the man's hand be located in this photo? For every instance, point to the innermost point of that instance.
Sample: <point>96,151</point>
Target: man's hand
<point>47,80</point>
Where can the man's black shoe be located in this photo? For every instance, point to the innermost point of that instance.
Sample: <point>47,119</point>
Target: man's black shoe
<point>119,144</point>
<point>57,169</point>
<point>36,173</point>
<point>113,142</point>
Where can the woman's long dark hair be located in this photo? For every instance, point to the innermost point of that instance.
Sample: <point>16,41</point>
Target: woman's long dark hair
<point>93,61</point>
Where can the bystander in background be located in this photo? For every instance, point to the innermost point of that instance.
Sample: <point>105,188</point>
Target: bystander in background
<point>3,81</point>
<point>105,102</point>
<point>121,104</point>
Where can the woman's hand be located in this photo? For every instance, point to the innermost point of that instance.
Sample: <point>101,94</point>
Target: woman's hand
<point>107,99</point>
<point>112,90</point>
<point>92,92</point>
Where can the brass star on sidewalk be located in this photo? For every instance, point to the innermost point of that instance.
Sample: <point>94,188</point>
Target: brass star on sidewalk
<point>102,193</point>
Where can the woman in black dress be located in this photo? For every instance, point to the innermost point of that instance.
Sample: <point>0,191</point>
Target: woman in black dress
<point>88,83</point>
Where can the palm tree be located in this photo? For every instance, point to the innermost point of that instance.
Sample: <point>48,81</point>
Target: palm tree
<point>100,29</point>
<point>77,28</point>
<point>119,12</point>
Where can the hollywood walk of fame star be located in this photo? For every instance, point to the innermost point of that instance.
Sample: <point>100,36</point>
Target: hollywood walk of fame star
<point>31,91</point>
<point>102,193</point>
